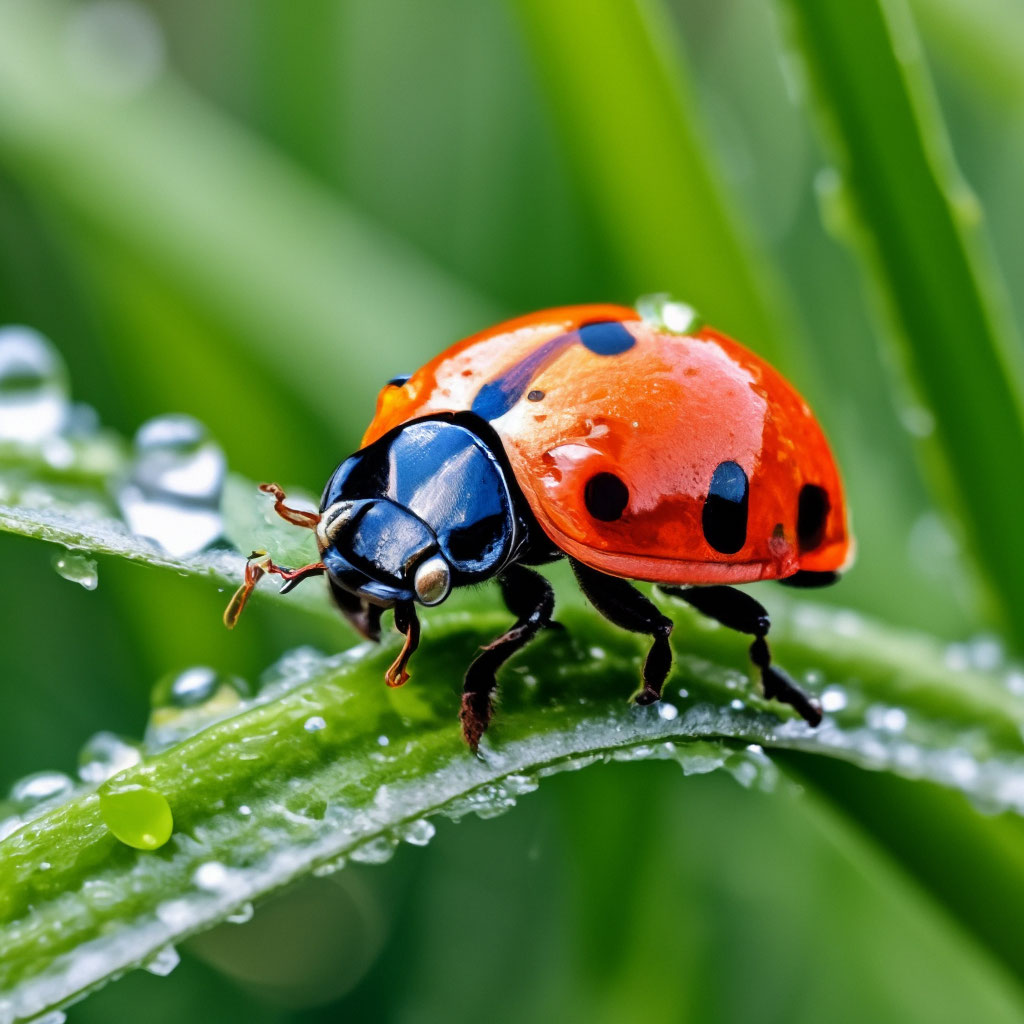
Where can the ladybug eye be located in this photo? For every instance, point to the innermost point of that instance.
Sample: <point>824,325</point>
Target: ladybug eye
<point>812,510</point>
<point>606,497</point>
<point>725,509</point>
<point>397,382</point>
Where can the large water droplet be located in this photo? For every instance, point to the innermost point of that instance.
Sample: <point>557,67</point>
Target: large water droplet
<point>104,755</point>
<point>41,788</point>
<point>186,702</point>
<point>162,962</point>
<point>77,568</point>
<point>33,387</point>
<point>139,817</point>
<point>173,491</point>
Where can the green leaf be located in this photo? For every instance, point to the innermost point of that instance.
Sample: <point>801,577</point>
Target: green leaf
<point>898,196</point>
<point>326,763</point>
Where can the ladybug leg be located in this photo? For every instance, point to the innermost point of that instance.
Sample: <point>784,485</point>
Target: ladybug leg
<point>739,611</point>
<point>405,622</point>
<point>622,604</point>
<point>529,597</point>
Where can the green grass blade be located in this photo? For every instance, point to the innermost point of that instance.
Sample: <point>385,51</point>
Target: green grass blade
<point>916,228</point>
<point>632,130</point>
<point>272,793</point>
<point>297,277</point>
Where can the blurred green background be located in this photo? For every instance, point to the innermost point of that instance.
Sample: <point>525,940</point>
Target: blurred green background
<point>258,212</point>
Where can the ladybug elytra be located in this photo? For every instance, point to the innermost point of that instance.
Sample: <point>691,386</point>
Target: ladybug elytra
<point>639,444</point>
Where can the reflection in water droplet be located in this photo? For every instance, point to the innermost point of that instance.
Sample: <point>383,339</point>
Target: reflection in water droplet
<point>376,851</point>
<point>162,962</point>
<point>173,490</point>
<point>188,701</point>
<point>139,817</point>
<point>77,568</point>
<point>104,755</point>
<point>33,387</point>
<point>41,788</point>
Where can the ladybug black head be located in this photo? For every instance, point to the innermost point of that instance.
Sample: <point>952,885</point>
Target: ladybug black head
<point>421,510</point>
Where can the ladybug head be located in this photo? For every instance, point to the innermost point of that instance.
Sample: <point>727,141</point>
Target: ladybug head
<point>382,551</point>
<point>423,509</point>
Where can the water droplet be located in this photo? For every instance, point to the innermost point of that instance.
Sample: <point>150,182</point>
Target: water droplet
<point>77,568</point>
<point>33,387</point>
<point>736,705</point>
<point>243,914</point>
<point>833,698</point>
<point>376,851</point>
<point>162,962</point>
<point>104,755</point>
<point>663,313</point>
<point>418,832</point>
<point>53,1017</point>
<point>139,817</point>
<point>186,702</point>
<point>597,653</point>
<point>173,490</point>
<point>41,788</point>
<point>245,810</point>
<point>886,719</point>
<point>667,712</point>
<point>1015,682</point>
<point>212,876</point>
<point>315,723</point>
<point>382,741</point>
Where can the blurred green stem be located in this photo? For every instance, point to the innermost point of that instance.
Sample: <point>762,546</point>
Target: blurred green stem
<point>917,228</point>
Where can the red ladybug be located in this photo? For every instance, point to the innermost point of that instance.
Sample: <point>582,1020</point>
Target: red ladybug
<point>639,445</point>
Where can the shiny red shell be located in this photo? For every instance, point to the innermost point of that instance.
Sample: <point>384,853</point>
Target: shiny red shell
<point>661,416</point>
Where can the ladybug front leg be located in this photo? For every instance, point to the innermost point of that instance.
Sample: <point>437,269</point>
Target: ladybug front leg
<point>622,604</point>
<point>739,611</point>
<point>529,597</point>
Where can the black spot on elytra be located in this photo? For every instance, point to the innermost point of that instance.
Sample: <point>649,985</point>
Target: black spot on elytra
<point>725,509</point>
<point>812,512</point>
<point>606,497</point>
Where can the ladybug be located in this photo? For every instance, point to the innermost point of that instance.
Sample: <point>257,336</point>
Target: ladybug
<point>637,443</point>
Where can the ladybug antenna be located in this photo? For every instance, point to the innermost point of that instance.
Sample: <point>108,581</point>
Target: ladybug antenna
<point>258,565</point>
<point>295,516</point>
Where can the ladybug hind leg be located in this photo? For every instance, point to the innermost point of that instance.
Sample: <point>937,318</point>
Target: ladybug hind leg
<point>529,597</point>
<point>622,604</point>
<point>739,611</point>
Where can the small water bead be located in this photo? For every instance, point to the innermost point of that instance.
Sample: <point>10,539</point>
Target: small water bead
<point>315,723</point>
<point>33,387</point>
<point>41,788</point>
<point>833,699</point>
<point>137,816</point>
<point>212,876</point>
<point>162,962</point>
<point>188,701</point>
<point>667,712</point>
<point>77,568</point>
<point>661,311</point>
<point>173,490</point>
<point>376,851</point>
<point>242,915</point>
<point>104,755</point>
<point>382,741</point>
<point>417,833</point>
<point>886,719</point>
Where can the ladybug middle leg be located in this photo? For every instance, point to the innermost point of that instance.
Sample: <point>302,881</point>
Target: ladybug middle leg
<point>739,611</point>
<point>529,597</point>
<point>622,604</point>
